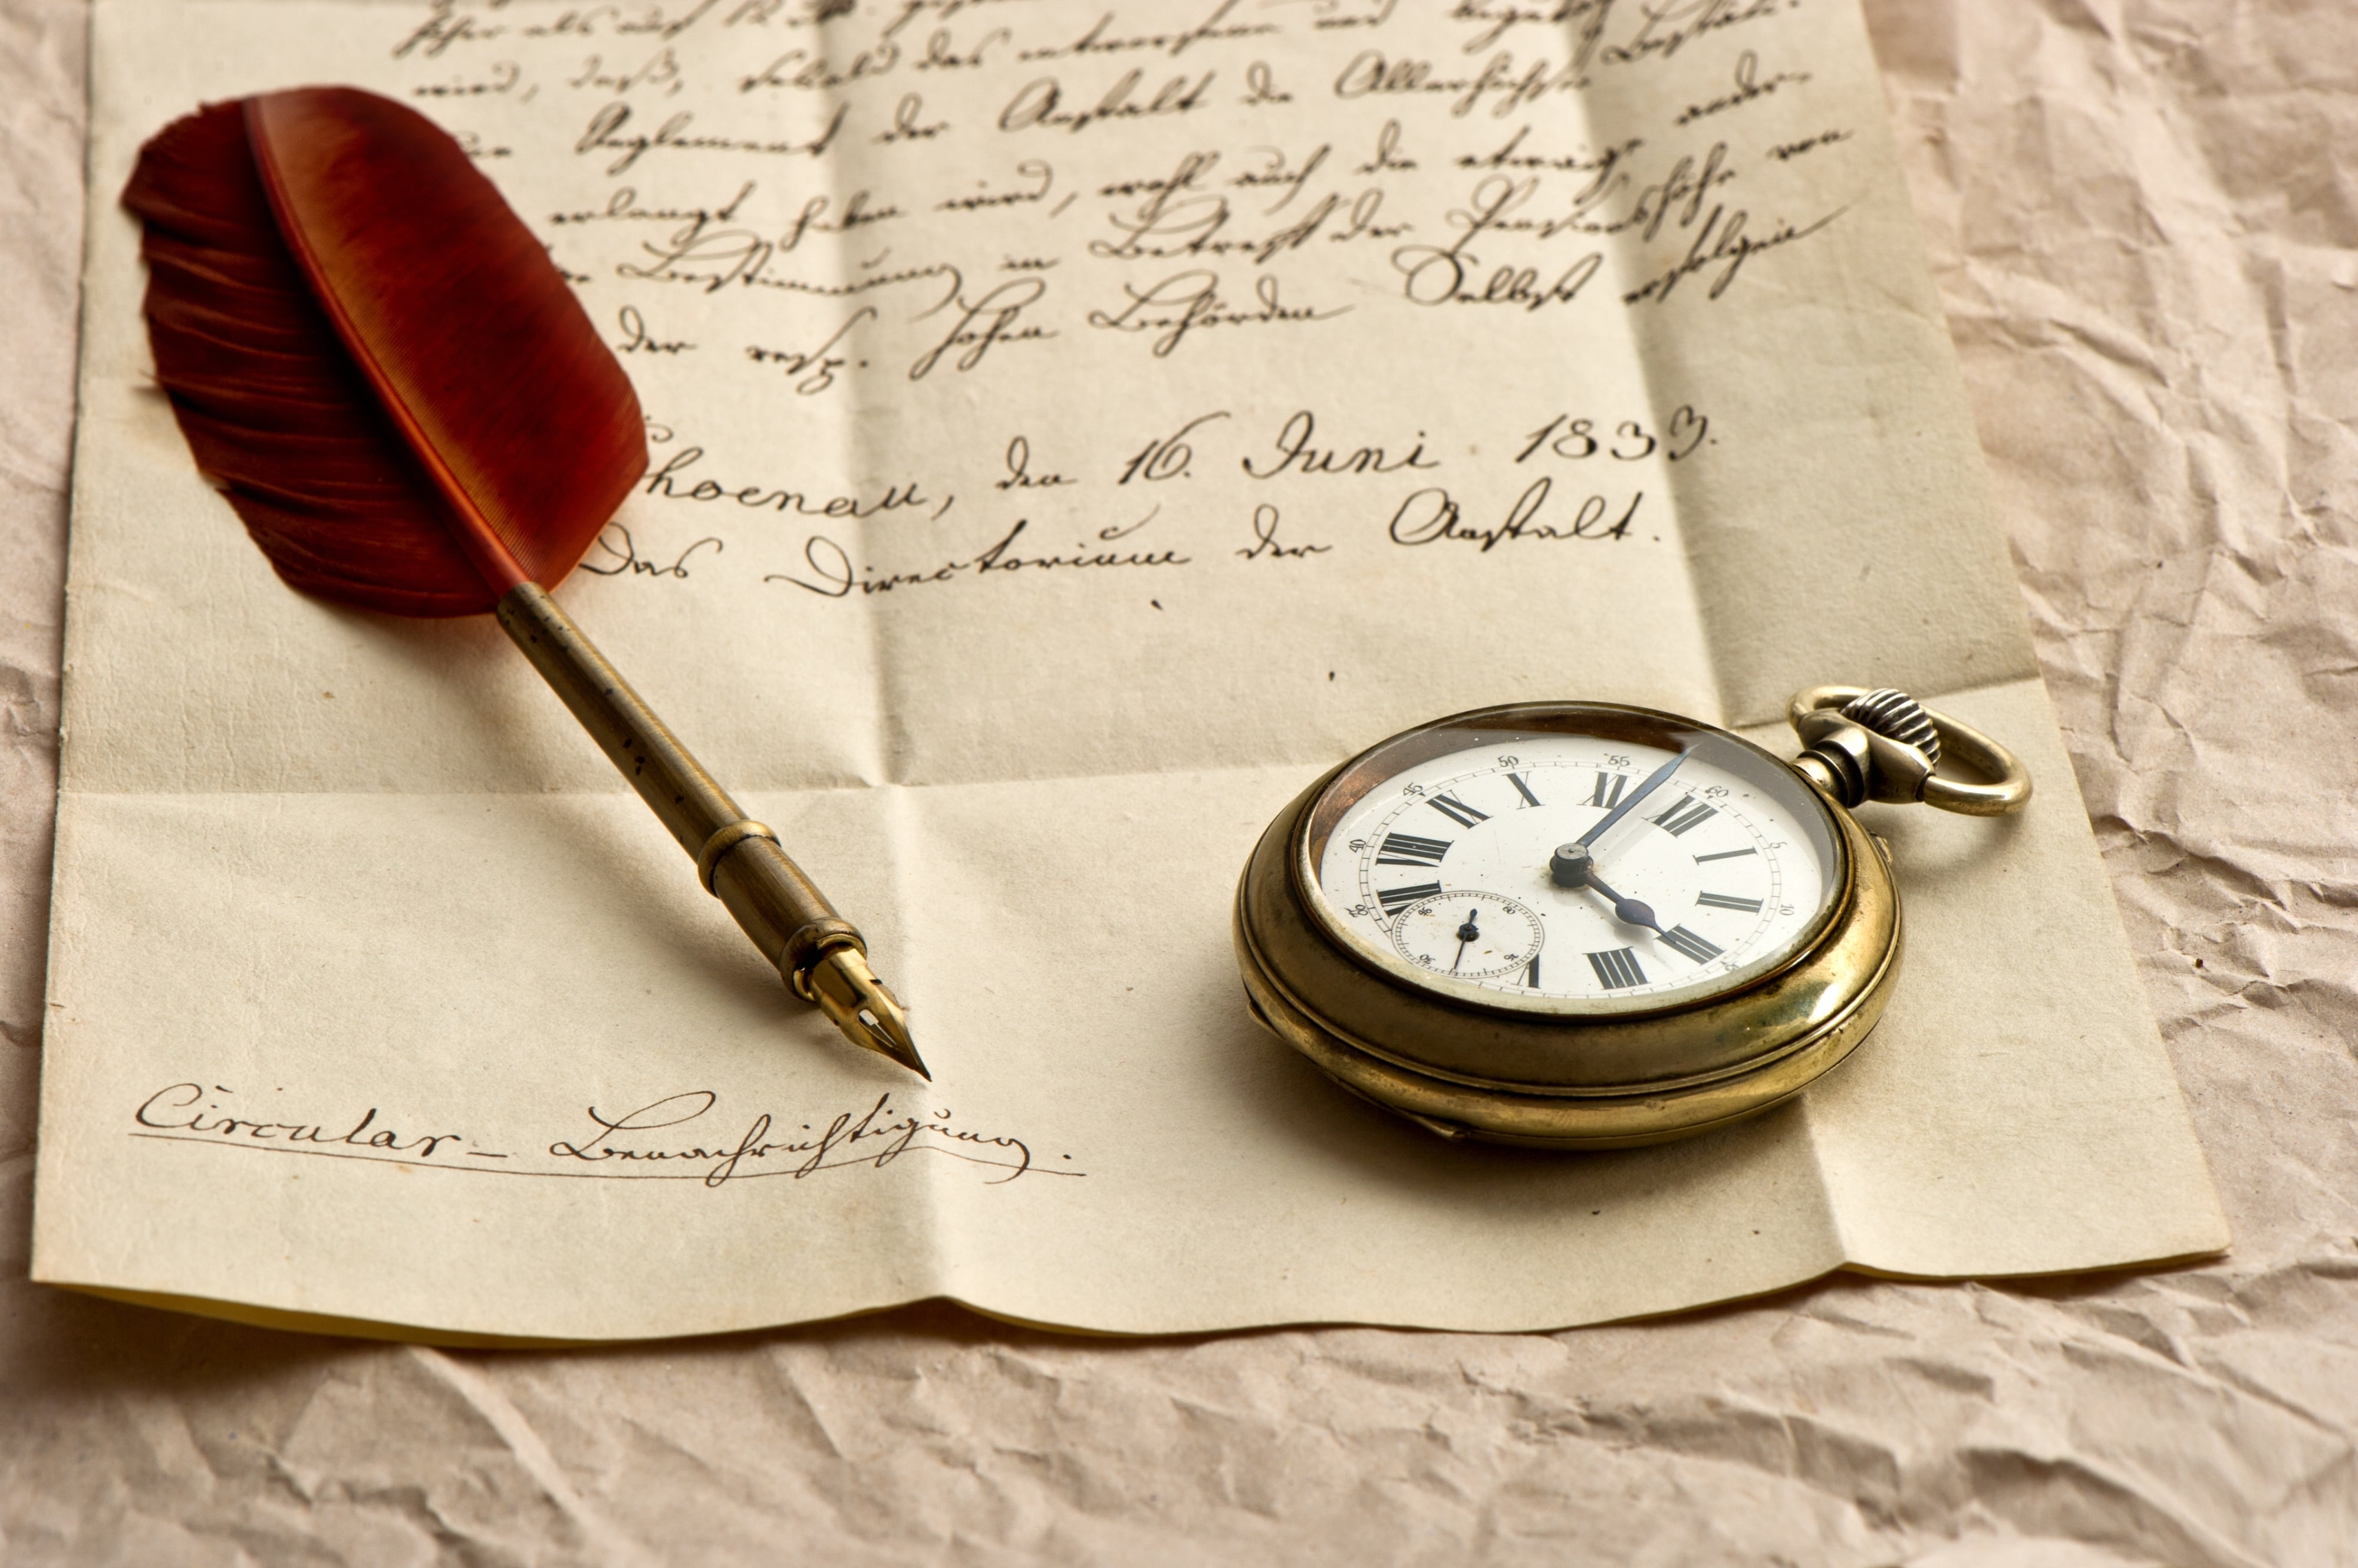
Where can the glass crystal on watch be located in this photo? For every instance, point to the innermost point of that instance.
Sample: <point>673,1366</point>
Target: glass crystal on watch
<point>1483,871</point>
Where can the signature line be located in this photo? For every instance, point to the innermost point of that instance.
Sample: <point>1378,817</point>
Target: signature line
<point>601,1175</point>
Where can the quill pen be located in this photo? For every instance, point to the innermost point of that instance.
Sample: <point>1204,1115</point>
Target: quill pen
<point>387,377</point>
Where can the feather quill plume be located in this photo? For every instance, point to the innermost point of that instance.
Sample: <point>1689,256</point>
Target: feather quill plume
<point>373,355</point>
<point>389,380</point>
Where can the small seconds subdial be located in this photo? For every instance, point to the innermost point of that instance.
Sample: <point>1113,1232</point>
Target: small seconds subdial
<point>1473,935</point>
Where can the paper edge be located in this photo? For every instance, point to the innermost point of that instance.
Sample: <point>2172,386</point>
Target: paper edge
<point>388,1331</point>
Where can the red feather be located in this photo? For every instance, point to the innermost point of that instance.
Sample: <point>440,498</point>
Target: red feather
<point>373,356</point>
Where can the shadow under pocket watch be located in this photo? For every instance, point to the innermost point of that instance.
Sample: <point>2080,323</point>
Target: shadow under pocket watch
<point>1579,924</point>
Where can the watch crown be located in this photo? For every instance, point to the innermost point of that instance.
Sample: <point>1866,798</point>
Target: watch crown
<point>1896,716</point>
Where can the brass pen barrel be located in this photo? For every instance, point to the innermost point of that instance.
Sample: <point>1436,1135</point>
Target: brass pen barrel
<point>820,955</point>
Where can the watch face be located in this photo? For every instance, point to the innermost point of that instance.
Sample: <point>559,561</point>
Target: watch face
<point>1571,859</point>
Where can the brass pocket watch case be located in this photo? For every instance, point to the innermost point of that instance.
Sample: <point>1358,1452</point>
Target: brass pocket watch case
<point>1584,925</point>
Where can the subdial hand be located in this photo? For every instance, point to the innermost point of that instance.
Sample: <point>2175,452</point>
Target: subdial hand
<point>1469,932</point>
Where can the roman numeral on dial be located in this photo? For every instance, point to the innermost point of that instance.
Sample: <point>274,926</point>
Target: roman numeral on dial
<point>1608,789</point>
<point>1394,899</point>
<point>1617,969</point>
<point>1699,949</point>
<point>1725,855</point>
<point>1457,811</point>
<point>1522,789</point>
<point>1408,849</point>
<point>1722,901</point>
<point>1683,816</point>
<point>1531,972</point>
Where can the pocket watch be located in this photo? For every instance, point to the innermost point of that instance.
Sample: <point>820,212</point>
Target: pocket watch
<point>1580,925</point>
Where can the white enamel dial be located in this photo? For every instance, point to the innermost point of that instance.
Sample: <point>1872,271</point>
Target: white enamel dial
<point>1467,871</point>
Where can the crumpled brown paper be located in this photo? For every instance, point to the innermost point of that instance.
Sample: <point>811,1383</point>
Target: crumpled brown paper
<point>2152,270</point>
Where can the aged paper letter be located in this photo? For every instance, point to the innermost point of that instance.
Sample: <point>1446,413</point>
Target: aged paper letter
<point>1077,425</point>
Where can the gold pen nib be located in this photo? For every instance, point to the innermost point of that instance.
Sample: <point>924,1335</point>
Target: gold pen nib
<point>871,1017</point>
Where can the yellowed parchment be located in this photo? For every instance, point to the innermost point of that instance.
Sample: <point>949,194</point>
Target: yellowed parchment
<point>1074,428</point>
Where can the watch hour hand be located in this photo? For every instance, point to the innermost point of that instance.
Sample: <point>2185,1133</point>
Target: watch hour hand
<point>1628,911</point>
<point>1654,781</point>
<point>1572,866</point>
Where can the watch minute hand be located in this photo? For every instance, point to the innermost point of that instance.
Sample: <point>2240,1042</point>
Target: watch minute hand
<point>1653,781</point>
